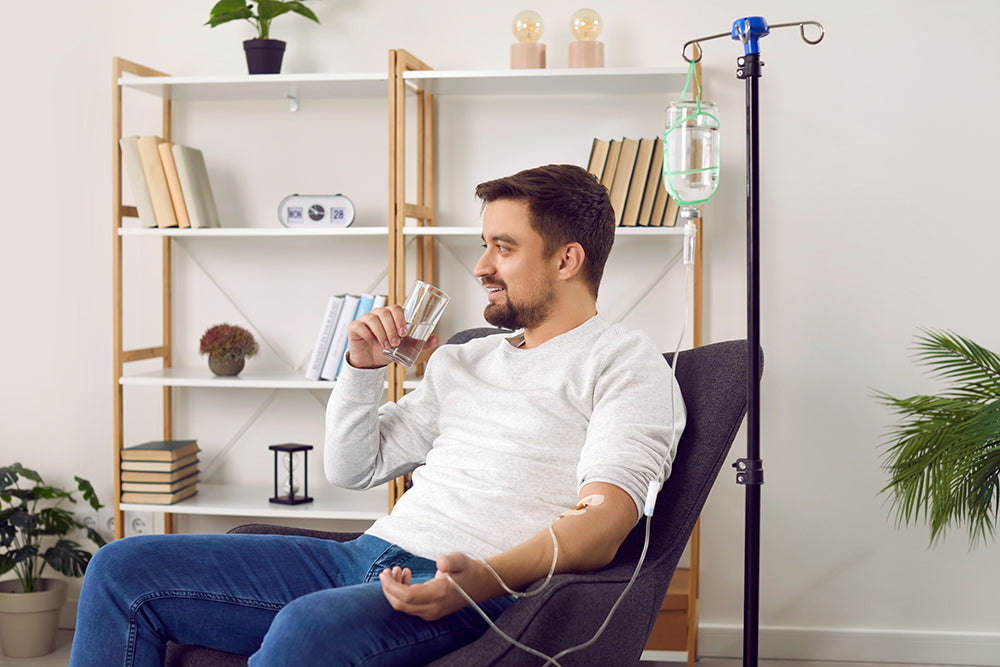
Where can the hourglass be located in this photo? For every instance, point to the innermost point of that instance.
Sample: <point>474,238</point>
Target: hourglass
<point>287,492</point>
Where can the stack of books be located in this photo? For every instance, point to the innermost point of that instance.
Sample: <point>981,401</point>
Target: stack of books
<point>632,171</point>
<point>169,183</point>
<point>331,342</point>
<point>160,472</point>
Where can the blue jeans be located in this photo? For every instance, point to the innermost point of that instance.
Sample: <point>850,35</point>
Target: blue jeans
<point>287,600</point>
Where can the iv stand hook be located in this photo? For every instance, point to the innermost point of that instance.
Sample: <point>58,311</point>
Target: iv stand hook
<point>699,52</point>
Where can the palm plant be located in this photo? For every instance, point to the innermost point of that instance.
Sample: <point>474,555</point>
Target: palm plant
<point>943,455</point>
<point>31,517</point>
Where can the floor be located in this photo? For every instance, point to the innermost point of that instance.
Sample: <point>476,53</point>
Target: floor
<point>60,658</point>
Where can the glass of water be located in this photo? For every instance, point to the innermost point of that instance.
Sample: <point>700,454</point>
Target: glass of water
<point>423,309</point>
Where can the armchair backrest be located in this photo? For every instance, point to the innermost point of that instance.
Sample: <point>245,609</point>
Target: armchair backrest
<point>713,381</point>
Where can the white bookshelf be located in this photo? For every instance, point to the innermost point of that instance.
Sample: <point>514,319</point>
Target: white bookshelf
<point>477,232</point>
<point>551,81</point>
<point>252,501</point>
<point>261,86</point>
<point>247,379</point>
<point>250,232</point>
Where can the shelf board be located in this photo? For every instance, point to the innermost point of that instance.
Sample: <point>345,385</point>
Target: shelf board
<point>477,232</point>
<point>247,232</point>
<point>565,81</point>
<point>261,86</point>
<point>252,501</point>
<point>202,377</point>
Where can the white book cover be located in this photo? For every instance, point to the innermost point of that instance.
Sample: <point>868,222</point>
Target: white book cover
<point>156,181</point>
<point>339,343</point>
<point>365,305</point>
<point>132,167</point>
<point>324,337</point>
<point>197,190</point>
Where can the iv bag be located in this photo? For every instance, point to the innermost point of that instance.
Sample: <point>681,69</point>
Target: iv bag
<point>691,155</point>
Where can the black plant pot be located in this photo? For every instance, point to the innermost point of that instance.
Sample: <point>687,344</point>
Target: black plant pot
<point>264,55</point>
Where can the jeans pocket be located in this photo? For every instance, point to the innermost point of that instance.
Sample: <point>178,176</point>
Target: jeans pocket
<point>422,569</point>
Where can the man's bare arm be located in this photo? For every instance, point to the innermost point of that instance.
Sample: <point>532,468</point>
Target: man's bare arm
<point>588,539</point>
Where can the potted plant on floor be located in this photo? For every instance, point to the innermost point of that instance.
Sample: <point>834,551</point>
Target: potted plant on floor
<point>263,53</point>
<point>228,347</point>
<point>34,534</point>
<point>943,456</point>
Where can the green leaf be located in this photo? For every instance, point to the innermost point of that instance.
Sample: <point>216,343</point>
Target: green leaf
<point>67,557</point>
<point>88,492</point>
<point>299,8</point>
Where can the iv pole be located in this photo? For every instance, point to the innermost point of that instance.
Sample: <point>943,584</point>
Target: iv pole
<point>750,470</point>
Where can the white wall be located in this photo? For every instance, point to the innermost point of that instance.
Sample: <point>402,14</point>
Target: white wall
<point>861,246</point>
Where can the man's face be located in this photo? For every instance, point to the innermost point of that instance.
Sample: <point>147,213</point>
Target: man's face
<point>520,280</point>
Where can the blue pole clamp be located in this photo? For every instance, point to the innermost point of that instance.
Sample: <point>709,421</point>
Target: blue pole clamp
<point>748,30</point>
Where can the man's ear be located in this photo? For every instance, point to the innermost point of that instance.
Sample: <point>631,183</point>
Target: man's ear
<point>571,260</point>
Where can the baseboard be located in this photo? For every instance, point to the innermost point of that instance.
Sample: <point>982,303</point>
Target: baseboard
<point>923,647</point>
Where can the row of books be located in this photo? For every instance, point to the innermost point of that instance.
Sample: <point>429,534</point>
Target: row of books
<point>160,472</point>
<point>632,171</point>
<point>169,183</point>
<point>331,342</point>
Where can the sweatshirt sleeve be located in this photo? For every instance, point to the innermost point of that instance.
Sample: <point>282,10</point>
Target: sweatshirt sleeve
<point>369,441</point>
<point>637,419</point>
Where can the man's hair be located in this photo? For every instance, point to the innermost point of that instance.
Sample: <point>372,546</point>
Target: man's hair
<point>566,204</point>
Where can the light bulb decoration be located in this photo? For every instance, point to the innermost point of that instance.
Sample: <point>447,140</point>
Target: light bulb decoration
<point>528,53</point>
<point>586,51</point>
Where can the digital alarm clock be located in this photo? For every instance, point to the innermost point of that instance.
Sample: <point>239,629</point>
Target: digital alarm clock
<point>301,211</point>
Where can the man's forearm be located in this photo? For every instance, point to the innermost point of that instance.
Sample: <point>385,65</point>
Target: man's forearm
<point>587,540</point>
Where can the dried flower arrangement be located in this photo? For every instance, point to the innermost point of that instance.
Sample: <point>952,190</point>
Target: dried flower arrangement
<point>228,342</point>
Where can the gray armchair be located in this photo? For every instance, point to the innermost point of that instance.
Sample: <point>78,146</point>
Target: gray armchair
<point>713,380</point>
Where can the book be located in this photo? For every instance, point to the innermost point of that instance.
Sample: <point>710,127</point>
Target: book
<point>156,181</point>
<point>193,177</point>
<point>160,450</point>
<point>132,166</point>
<point>159,477</point>
<point>173,183</point>
<point>331,366</point>
<point>159,466</point>
<point>159,498</point>
<point>654,182</point>
<point>637,186</point>
<point>659,205</point>
<point>670,214</point>
<point>598,157</point>
<point>623,176</point>
<point>325,336</point>
<point>365,305</point>
<point>611,164</point>
<point>160,487</point>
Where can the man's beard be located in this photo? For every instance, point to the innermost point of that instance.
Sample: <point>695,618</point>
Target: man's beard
<point>509,315</point>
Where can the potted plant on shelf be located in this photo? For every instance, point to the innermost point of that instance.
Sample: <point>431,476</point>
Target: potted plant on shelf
<point>34,534</point>
<point>228,347</point>
<point>263,53</point>
<point>943,456</point>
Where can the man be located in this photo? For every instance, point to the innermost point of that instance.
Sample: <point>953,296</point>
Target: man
<point>503,435</point>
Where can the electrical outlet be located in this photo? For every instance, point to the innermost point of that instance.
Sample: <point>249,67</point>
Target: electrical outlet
<point>138,523</point>
<point>103,521</point>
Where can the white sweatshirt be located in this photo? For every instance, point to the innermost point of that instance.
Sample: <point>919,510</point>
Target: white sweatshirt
<point>500,439</point>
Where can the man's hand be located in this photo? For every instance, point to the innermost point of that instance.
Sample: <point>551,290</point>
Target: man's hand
<point>371,333</point>
<point>438,597</point>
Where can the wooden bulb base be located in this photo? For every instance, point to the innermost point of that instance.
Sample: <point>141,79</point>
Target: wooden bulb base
<point>586,54</point>
<point>527,55</point>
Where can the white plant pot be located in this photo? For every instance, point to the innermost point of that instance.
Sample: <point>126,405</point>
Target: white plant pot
<point>28,621</point>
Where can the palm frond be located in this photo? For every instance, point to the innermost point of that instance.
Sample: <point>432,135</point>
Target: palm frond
<point>943,455</point>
